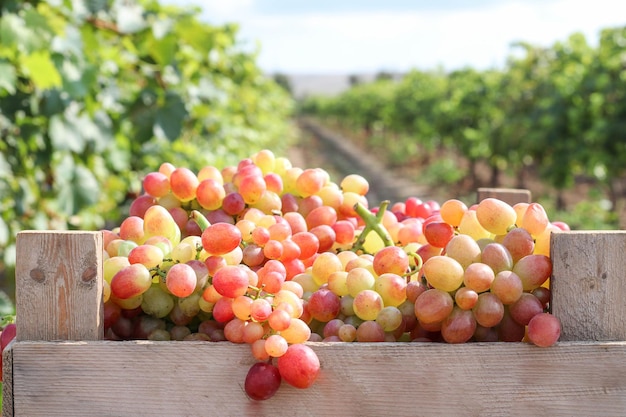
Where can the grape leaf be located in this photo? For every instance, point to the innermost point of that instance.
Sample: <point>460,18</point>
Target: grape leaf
<point>42,71</point>
<point>65,135</point>
<point>170,117</point>
<point>7,77</point>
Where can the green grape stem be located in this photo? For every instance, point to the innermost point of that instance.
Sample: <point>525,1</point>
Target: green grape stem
<point>417,259</point>
<point>200,220</point>
<point>373,223</point>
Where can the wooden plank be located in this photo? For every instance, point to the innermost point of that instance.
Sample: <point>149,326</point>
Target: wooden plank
<point>374,379</point>
<point>59,285</point>
<point>7,381</point>
<point>508,195</point>
<point>588,285</point>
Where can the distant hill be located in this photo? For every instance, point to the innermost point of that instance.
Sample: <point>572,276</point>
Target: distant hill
<point>304,85</point>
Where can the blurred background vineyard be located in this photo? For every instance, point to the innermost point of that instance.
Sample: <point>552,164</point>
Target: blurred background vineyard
<point>96,93</point>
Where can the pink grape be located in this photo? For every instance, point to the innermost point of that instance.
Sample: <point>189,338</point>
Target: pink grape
<point>273,182</point>
<point>438,233</point>
<point>156,184</point>
<point>459,326</point>
<point>181,280</point>
<point>392,288</point>
<point>324,305</point>
<point>344,232</point>
<point>233,203</point>
<point>210,194</point>
<point>544,329</point>
<point>131,281</point>
<point>433,306</point>
<point>507,286</point>
<point>220,238</point>
<point>140,204</point>
<point>279,320</point>
<point>392,259</point>
<point>230,281</point>
<point>325,235</point>
<point>465,298</point>
<point>370,331</point>
<point>299,366</point>
<point>478,276</point>
<point>367,304</point>
<point>308,242</point>
<point>533,270</point>
<point>519,243</point>
<point>252,188</point>
<point>131,228</point>
<point>497,256</point>
<point>260,309</point>
<point>535,219</point>
<point>184,184</point>
<point>321,215</point>
<point>276,345</point>
<point>525,308</point>
<point>488,310</point>
<point>223,310</point>
<point>148,255</point>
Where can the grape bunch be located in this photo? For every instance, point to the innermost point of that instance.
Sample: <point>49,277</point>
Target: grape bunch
<point>274,256</point>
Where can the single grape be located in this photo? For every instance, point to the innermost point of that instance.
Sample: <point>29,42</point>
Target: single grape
<point>262,381</point>
<point>544,329</point>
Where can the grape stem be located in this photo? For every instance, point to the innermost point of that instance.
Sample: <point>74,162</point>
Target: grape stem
<point>200,220</point>
<point>373,223</point>
<point>417,259</point>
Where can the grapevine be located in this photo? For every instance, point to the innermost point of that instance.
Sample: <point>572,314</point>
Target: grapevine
<point>276,256</point>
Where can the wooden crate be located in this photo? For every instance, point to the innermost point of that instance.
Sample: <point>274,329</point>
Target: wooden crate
<point>511,196</point>
<point>60,366</point>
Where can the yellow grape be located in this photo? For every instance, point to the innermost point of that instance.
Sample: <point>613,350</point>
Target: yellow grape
<point>443,273</point>
<point>452,211</point>
<point>471,226</point>
<point>535,219</point>
<point>324,265</point>
<point>297,332</point>
<point>495,215</point>
<point>157,221</point>
<point>355,183</point>
<point>464,249</point>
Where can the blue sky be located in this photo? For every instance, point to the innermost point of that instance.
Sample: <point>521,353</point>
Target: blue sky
<point>360,36</point>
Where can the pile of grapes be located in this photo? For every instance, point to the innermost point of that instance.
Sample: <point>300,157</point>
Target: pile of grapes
<point>273,255</point>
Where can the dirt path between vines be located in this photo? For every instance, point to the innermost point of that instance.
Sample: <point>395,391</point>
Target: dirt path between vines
<point>323,148</point>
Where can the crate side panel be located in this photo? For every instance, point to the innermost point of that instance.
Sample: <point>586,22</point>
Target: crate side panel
<point>59,285</point>
<point>7,381</point>
<point>588,284</point>
<point>198,379</point>
<point>511,196</point>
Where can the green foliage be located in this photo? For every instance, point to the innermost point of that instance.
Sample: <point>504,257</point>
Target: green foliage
<point>94,94</point>
<point>559,111</point>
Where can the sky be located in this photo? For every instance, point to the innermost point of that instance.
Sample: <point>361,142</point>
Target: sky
<point>370,36</point>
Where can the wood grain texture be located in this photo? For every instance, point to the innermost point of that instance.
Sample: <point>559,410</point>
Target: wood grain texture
<point>7,381</point>
<point>59,285</point>
<point>511,196</point>
<point>358,379</point>
<point>588,284</point>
